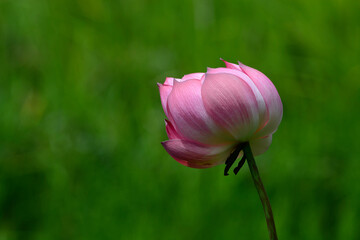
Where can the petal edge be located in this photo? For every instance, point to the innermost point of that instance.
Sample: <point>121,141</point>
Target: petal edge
<point>196,155</point>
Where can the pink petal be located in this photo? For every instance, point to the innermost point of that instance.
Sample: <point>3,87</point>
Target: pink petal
<point>197,155</point>
<point>230,101</point>
<point>170,130</point>
<point>260,145</point>
<point>263,117</point>
<point>188,115</point>
<point>271,97</point>
<point>169,81</point>
<point>164,94</point>
<point>197,76</point>
<point>231,65</point>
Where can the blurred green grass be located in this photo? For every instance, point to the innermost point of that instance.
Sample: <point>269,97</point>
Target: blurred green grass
<point>81,120</point>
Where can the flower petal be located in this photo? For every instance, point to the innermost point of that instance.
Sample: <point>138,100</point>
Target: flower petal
<point>271,97</point>
<point>263,117</point>
<point>170,130</point>
<point>164,94</point>
<point>187,113</point>
<point>196,155</point>
<point>260,145</point>
<point>230,101</point>
<point>231,65</point>
<point>197,76</point>
<point>169,81</point>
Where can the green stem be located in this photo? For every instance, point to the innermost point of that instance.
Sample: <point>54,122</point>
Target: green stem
<point>261,190</point>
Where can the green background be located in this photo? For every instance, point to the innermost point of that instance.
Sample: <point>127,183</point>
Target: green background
<point>81,120</point>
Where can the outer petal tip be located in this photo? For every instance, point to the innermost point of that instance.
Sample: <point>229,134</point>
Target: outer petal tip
<point>169,81</point>
<point>241,64</point>
<point>230,65</point>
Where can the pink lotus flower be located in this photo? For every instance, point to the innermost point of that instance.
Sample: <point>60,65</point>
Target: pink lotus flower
<point>210,113</point>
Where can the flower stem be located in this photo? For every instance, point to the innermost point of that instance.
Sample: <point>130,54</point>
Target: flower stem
<point>261,190</point>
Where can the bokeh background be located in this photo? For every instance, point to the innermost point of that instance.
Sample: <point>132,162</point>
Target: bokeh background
<point>81,120</point>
